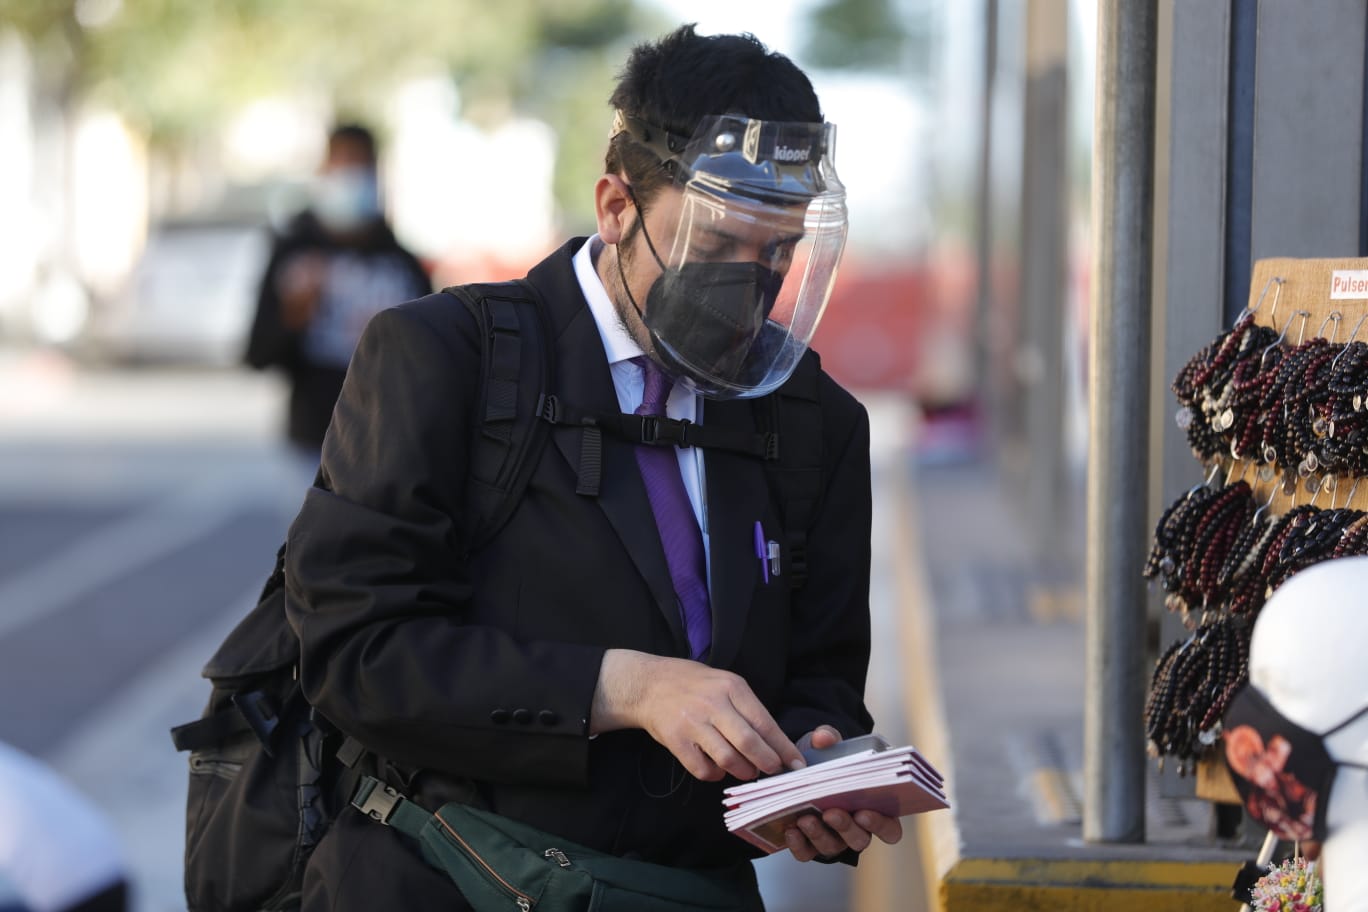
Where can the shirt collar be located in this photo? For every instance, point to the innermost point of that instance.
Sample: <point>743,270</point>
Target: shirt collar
<point>617,342</point>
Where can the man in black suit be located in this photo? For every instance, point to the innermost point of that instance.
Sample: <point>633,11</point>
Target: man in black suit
<point>568,674</point>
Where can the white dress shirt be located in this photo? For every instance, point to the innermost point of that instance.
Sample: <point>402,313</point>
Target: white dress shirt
<point>629,379</point>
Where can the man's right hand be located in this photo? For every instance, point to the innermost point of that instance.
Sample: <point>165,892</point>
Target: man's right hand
<point>708,718</point>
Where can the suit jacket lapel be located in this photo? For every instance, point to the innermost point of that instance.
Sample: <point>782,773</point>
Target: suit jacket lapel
<point>737,497</point>
<point>623,498</point>
<point>584,381</point>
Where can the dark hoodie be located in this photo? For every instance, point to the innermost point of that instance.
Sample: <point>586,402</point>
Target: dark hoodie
<point>366,272</point>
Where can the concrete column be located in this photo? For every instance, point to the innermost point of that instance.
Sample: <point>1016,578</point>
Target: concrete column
<point>1044,273</point>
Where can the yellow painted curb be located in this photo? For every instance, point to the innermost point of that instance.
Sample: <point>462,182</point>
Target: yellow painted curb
<point>1146,875</point>
<point>937,832</point>
<point>987,885</point>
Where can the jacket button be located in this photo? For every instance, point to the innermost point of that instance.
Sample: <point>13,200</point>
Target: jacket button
<point>522,716</point>
<point>499,717</point>
<point>547,717</point>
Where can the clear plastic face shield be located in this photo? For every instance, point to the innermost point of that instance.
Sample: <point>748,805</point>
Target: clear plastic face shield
<point>759,223</point>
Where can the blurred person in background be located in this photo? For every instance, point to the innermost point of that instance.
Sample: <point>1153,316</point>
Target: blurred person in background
<point>578,673</point>
<point>333,267</point>
<point>58,853</point>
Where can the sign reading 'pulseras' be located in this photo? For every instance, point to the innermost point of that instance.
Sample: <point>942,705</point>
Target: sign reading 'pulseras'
<point>1348,283</point>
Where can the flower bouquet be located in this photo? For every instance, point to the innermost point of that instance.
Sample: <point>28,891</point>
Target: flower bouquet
<point>1293,886</point>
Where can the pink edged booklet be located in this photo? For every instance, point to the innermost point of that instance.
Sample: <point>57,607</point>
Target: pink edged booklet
<point>894,781</point>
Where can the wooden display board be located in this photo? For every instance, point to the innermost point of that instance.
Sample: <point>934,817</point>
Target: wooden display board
<point>1333,295</point>
<point>1326,297</point>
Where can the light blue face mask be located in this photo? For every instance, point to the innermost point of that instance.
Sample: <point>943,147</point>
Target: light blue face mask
<point>346,199</point>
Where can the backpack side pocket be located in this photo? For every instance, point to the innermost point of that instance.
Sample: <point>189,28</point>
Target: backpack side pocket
<point>253,813</point>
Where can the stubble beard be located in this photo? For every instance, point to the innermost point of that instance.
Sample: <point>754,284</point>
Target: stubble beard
<point>627,315</point>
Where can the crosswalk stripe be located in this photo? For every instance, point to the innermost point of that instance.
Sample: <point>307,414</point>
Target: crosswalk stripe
<point>124,761</point>
<point>109,553</point>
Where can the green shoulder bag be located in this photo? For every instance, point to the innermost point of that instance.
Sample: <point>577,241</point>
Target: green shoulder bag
<point>500,863</point>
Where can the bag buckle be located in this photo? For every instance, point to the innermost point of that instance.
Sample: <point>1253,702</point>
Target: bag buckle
<point>376,800</point>
<point>549,408</point>
<point>657,431</point>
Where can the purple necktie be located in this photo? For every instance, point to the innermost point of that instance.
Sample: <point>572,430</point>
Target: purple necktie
<point>675,517</point>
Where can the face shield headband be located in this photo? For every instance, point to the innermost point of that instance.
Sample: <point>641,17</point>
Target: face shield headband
<point>1282,771</point>
<point>754,228</point>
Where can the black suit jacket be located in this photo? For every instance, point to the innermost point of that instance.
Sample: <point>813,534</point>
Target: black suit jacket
<point>482,671</point>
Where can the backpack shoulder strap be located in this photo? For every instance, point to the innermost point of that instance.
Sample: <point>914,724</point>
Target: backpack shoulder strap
<point>792,415</point>
<point>516,366</point>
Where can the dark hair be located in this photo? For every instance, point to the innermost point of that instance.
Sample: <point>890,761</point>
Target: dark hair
<point>353,133</point>
<point>677,81</point>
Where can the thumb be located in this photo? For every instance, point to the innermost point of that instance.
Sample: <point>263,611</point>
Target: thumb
<point>820,738</point>
<point>824,736</point>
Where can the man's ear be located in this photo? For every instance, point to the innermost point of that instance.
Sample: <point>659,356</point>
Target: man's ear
<point>613,205</point>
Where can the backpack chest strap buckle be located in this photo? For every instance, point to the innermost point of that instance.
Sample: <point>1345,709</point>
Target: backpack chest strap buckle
<point>657,431</point>
<point>375,799</point>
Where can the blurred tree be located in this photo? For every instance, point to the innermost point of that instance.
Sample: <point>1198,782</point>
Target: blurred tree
<point>867,35</point>
<point>176,69</point>
<point>173,66</point>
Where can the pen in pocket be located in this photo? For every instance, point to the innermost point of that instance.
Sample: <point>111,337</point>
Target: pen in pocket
<point>761,551</point>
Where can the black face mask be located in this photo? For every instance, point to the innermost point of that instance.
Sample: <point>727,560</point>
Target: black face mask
<point>705,317</point>
<point>1282,771</point>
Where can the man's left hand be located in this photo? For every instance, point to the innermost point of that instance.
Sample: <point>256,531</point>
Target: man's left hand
<point>837,830</point>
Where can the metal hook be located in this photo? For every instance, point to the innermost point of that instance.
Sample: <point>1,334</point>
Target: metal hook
<point>1333,315</point>
<point>1315,495</point>
<point>1267,503</point>
<point>1348,340</point>
<point>1273,314</point>
<point>1282,335</point>
<point>1331,484</point>
<point>1243,465</point>
<point>1301,333</point>
<point>1352,489</point>
<point>1211,476</point>
<point>1356,328</point>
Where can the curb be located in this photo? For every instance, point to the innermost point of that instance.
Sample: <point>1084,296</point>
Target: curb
<point>1087,886</point>
<point>956,883</point>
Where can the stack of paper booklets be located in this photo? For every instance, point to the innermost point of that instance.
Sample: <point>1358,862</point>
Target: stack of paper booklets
<point>894,781</point>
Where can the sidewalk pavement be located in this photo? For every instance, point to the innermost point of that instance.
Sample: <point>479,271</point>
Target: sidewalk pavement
<point>993,648</point>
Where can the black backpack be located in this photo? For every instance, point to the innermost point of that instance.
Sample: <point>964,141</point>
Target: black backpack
<point>268,774</point>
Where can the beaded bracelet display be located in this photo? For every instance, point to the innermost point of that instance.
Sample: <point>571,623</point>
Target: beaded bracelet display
<point>1204,388</point>
<point>1219,557</point>
<point>1192,684</point>
<point>1297,409</point>
<point>1296,412</point>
